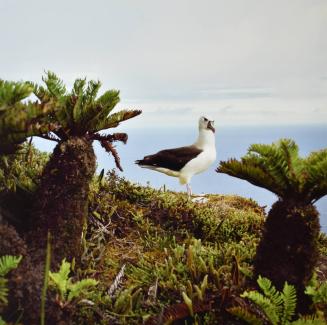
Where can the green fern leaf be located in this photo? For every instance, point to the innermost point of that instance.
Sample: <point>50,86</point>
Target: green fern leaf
<point>100,110</point>
<point>60,279</point>
<point>315,175</point>
<point>13,92</point>
<point>265,304</point>
<point>289,298</point>
<point>77,98</point>
<point>317,292</point>
<point>250,169</point>
<point>8,263</point>
<point>309,321</point>
<point>245,315</point>
<point>80,288</point>
<point>3,290</point>
<point>271,293</point>
<point>54,84</point>
<point>115,119</point>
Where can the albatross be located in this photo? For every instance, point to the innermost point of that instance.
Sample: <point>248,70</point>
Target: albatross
<point>184,162</point>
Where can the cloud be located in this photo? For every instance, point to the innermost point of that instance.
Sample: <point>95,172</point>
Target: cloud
<point>250,55</point>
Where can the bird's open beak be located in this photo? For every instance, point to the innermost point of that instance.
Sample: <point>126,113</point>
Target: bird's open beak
<point>209,126</point>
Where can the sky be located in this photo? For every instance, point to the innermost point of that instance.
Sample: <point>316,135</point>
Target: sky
<point>253,62</point>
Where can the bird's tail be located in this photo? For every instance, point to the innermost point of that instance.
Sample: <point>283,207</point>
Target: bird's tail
<point>139,162</point>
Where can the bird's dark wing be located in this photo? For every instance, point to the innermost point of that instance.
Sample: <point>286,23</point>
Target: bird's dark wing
<point>173,159</point>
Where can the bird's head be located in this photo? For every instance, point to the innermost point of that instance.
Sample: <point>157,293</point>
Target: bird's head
<point>206,123</point>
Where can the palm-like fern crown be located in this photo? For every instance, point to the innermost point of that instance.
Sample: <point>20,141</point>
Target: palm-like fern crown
<point>279,168</point>
<point>80,112</point>
<point>58,114</point>
<point>19,120</point>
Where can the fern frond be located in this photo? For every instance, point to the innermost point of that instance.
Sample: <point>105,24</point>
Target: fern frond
<point>108,100</point>
<point>271,293</point>
<point>244,314</point>
<point>318,293</point>
<point>84,101</point>
<point>100,110</point>
<point>13,92</point>
<point>115,119</point>
<point>250,169</point>
<point>3,290</point>
<point>278,168</point>
<point>8,263</point>
<point>80,288</point>
<point>54,84</point>
<point>315,175</point>
<point>77,98</point>
<point>273,159</point>
<point>92,91</point>
<point>289,299</point>
<point>60,279</point>
<point>264,303</point>
<point>309,321</point>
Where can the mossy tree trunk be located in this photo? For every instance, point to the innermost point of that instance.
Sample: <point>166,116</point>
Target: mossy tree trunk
<point>62,200</point>
<point>288,250</point>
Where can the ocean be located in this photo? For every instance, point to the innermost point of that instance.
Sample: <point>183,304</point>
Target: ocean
<point>230,142</point>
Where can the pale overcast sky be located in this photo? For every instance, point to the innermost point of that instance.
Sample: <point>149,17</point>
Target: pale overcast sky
<point>239,61</point>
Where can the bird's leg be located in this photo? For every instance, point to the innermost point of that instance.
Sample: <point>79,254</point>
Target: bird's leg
<point>189,189</point>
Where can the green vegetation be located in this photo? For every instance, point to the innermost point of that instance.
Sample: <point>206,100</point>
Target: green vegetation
<point>278,307</point>
<point>288,250</point>
<point>121,253</point>
<point>7,264</point>
<point>157,257</point>
<point>68,291</point>
<point>58,203</point>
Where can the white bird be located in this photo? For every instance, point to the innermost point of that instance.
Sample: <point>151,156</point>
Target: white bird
<point>184,162</point>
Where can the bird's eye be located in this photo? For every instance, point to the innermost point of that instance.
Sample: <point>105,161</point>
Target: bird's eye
<point>205,119</point>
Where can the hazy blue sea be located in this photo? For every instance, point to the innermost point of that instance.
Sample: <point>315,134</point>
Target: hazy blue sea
<point>231,142</point>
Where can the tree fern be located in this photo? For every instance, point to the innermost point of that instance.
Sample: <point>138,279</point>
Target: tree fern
<point>54,84</point>
<point>13,92</point>
<point>80,113</point>
<point>115,119</point>
<point>278,168</point>
<point>315,175</point>
<point>275,165</point>
<point>17,118</point>
<point>250,169</point>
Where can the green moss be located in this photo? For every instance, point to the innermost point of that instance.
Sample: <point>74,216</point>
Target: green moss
<point>155,234</point>
<point>167,247</point>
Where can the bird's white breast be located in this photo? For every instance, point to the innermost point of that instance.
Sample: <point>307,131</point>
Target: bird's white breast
<point>197,165</point>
